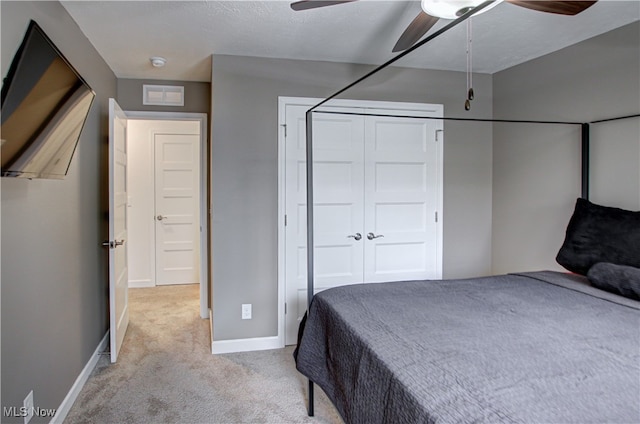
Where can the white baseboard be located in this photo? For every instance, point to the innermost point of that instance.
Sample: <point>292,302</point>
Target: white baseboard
<point>67,403</point>
<point>211,328</point>
<point>140,284</point>
<point>246,345</point>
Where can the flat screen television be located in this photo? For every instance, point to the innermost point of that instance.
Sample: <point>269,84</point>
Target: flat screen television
<point>45,103</point>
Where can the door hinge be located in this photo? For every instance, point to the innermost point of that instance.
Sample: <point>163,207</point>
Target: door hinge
<point>438,132</point>
<point>285,308</point>
<point>285,220</point>
<point>285,129</point>
<point>436,216</point>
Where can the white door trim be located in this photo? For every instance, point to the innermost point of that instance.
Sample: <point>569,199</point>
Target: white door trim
<point>204,209</point>
<point>400,107</point>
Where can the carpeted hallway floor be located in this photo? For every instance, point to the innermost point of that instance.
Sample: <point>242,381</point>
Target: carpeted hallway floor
<point>166,373</point>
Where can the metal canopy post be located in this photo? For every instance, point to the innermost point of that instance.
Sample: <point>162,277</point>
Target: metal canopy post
<point>586,138</point>
<point>310,282</point>
<point>586,149</point>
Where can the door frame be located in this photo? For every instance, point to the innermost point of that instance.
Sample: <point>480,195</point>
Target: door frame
<point>400,107</point>
<point>204,209</point>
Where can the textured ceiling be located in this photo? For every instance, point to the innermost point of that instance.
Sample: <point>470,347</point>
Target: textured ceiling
<point>187,33</point>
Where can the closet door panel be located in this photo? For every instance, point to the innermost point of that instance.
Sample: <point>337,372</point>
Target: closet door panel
<point>338,207</point>
<point>401,198</point>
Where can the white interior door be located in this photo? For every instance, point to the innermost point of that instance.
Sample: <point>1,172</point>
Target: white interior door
<point>118,279</point>
<point>339,219</point>
<point>177,191</point>
<point>402,175</point>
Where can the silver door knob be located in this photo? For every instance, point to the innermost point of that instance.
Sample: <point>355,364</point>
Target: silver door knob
<point>356,236</point>
<point>112,244</point>
<point>372,236</point>
<point>159,217</point>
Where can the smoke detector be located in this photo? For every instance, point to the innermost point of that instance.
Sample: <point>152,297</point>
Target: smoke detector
<point>157,61</point>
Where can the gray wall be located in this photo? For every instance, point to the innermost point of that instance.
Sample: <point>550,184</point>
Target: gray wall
<point>54,274</point>
<point>536,170</point>
<point>245,165</point>
<point>197,96</point>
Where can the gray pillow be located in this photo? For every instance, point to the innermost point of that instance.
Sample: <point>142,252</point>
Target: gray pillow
<point>619,279</point>
<point>600,234</point>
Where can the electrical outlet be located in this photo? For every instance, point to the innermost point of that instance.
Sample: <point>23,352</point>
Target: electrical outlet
<point>28,407</point>
<point>246,311</point>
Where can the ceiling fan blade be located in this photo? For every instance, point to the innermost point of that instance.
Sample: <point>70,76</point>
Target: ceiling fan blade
<point>314,4</point>
<point>416,29</point>
<point>558,7</point>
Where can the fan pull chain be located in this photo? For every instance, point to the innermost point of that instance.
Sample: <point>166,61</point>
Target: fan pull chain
<point>470,93</point>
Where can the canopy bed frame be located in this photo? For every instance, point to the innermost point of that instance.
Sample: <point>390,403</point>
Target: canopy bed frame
<point>585,149</point>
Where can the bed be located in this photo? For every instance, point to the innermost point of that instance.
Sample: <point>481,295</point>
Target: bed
<point>530,347</point>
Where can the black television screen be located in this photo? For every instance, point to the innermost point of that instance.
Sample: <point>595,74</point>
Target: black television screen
<point>45,103</point>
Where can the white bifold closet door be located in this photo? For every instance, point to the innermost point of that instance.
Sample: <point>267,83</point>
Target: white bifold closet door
<point>376,194</point>
<point>400,199</point>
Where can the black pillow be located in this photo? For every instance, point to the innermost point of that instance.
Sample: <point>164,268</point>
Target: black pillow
<point>620,279</point>
<point>600,234</point>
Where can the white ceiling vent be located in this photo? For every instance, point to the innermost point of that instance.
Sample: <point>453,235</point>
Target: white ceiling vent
<point>163,95</point>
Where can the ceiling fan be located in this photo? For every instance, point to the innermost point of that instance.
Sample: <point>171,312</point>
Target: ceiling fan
<point>432,10</point>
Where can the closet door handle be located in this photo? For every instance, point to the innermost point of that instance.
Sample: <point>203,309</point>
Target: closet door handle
<point>356,236</point>
<point>372,236</point>
<point>159,217</point>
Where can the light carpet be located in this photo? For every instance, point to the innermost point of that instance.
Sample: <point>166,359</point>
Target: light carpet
<point>166,373</point>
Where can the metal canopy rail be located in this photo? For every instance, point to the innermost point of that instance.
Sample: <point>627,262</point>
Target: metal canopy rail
<point>409,50</point>
<point>615,119</point>
<point>441,118</point>
<point>585,147</point>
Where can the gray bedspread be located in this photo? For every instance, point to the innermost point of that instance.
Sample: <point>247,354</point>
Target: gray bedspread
<point>536,347</point>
